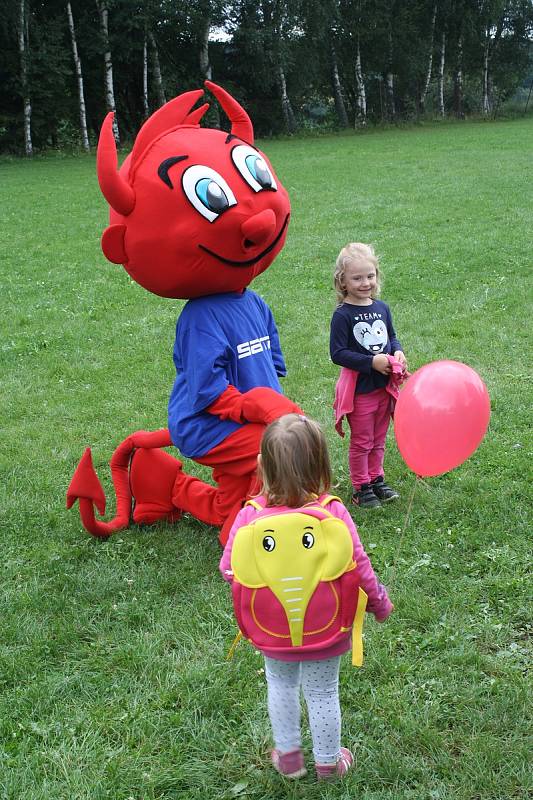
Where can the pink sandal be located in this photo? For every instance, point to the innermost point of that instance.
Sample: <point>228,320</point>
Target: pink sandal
<point>327,772</point>
<point>290,765</point>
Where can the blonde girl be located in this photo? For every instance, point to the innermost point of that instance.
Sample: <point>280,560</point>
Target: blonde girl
<point>363,341</point>
<point>295,469</point>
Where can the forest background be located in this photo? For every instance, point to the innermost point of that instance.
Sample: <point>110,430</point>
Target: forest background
<point>295,65</point>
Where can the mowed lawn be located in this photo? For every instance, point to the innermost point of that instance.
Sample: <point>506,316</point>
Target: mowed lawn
<point>113,675</point>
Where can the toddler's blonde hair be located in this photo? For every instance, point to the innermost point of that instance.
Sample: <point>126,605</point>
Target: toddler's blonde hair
<point>294,461</point>
<point>358,253</point>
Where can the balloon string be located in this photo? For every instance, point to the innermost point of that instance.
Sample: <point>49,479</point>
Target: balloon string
<point>404,528</point>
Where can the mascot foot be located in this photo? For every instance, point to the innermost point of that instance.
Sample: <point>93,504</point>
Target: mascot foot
<point>152,477</point>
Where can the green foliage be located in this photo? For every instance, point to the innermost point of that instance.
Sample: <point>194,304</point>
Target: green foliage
<point>113,674</point>
<point>252,46</point>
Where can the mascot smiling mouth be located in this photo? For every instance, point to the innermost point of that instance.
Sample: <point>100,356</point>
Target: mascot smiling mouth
<point>251,261</point>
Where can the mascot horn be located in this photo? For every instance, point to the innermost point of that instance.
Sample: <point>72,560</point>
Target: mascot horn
<point>196,214</point>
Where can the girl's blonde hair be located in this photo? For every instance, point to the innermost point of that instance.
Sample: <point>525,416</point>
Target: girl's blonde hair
<point>294,461</point>
<point>358,253</point>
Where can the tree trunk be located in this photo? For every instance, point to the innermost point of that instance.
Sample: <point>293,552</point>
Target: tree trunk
<point>360,98</point>
<point>108,64</point>
<point>79,78</point>
<point>288,114</point>
<point>440,77</point>
<point>423,93</point>
<point>337,90</point>
<point>146,106</point>
<point>205,64</point>
<point>458,81</point>
<point>389,82</point>
<point>485,103</point>
<point>161,99</point>
<point>23,52</point>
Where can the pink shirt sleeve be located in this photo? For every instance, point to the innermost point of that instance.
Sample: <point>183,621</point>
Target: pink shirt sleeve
<point>378,599</point>
<point>242,518</point>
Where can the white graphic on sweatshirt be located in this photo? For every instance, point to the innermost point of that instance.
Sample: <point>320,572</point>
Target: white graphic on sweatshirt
<point>372,337</point>
<point>254,346</point>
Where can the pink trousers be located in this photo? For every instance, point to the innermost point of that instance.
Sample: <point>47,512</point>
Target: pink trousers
<point>369,422</point>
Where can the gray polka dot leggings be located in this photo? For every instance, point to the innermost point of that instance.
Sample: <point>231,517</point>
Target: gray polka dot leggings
<point>319,681</point>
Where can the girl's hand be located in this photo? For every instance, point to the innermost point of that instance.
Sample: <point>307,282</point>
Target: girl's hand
<point>381,364</point>
<point>399,356</point>
<point>381,619</point>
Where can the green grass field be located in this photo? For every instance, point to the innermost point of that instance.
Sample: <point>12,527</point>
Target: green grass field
<point>113,674</point>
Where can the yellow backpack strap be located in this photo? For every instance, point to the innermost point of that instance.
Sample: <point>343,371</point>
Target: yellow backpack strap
<point>255,504</point>
<point>357,630</point>
<point>234,644</point>
<point>327,499</point>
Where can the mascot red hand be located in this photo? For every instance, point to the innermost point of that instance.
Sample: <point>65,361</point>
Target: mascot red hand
<point>196,214</point>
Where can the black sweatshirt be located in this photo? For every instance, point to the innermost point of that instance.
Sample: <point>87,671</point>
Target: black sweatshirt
<point>358,333</point>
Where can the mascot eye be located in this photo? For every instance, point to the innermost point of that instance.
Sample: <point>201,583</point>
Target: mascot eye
<point>308,540</point>
<point>212,195</point>
<point>207,191</point>
<point>269,543</point>
<point>253,168</point>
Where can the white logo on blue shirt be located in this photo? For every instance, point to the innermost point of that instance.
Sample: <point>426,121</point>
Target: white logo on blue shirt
<point>254,346</point>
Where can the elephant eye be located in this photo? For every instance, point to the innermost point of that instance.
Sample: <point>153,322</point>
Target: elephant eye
<point>308,540</point>
<point>269,543</point>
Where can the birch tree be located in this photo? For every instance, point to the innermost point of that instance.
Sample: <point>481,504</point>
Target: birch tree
<point>23,42</point>
<point>156,69</point>
<point>278,20</point>
<point>205,64</point>
<point>425,86</point>
<point>492,14</point>
<point>146,105</point>
<point>325,35</point>
<point>103,12</point>
<point>286,107</point>
<point>459,24</point>
<point>333,28</point>
<point>337,89</point>
<point>440,73</point>
<point>353,28</point>
<point>458,79</point>
<point>360,96</point>
<point>389,75</point>
<point>79,79</point>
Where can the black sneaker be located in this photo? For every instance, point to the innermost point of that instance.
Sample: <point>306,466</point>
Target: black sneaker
<point>382,491</point>
<point>365,497</point>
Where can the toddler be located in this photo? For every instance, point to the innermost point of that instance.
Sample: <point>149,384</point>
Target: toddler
<point>294,468</point>
<point>364,343</point>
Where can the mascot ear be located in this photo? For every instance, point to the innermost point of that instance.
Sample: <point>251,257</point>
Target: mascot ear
<point>243,561</point>
<point>339,548</point>
<point>113,244</point>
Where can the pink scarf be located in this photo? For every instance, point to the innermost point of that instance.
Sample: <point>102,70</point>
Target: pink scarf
<point>345,390</point>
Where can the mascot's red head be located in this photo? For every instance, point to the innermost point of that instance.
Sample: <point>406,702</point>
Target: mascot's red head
<point>194,211</point>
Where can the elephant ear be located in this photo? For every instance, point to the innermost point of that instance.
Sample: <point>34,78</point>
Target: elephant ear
<point>243,561</point>
<point>339,548</point>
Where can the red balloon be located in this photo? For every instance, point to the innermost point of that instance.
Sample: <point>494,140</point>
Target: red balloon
<point>441,417</point>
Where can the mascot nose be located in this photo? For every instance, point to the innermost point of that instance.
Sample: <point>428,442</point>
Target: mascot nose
<point>258,229</point>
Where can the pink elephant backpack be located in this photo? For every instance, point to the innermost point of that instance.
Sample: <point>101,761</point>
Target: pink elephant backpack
<point>295,582</point>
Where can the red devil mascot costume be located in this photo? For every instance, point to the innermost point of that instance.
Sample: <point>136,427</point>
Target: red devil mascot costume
<point>196,214</point>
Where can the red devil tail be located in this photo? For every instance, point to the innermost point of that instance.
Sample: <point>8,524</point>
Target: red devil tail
<point>86,487</point>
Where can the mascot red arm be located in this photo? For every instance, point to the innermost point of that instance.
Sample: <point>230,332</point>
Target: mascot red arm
<point>196,214</point>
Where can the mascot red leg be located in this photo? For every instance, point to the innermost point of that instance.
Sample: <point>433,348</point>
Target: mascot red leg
<point>195,214</point>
